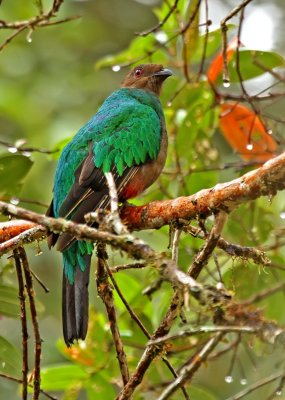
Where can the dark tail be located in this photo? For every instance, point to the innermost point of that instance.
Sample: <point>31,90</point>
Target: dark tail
<point>75,303</point>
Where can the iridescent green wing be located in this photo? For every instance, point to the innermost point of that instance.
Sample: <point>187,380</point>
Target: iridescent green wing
<point>131,139</point>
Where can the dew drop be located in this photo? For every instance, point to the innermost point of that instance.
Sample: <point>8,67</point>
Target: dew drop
<point>161,37</point>
<point>20,142</point>
<point>27,153</point>
<point>278,392</point>
<point>29,36</point>
<point>269,132</point>
<point>12,149</point>
<point>249,146</point>
<point>226,83</point>
<point>243,381</point>
<point>282,215</point>
<point>229,379</point>
<point>116,68</point>
<point>169,103</point>
<point>14,201</point>
<point>270,198</point>
<point>180,116</point>
<point>220,286</point>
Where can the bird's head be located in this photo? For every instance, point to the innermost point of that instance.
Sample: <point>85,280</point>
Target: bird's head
<point>147,77</point>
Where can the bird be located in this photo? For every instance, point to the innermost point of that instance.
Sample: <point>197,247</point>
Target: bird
<point>127,137</point>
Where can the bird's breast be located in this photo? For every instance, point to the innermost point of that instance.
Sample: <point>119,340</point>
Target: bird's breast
<point>146,173</point>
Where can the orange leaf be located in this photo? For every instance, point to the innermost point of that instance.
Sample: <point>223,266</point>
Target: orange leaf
<point>216,66</point>
<point>245,133</point>
<point>79,355</point>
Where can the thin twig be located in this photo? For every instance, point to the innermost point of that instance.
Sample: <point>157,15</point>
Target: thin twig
<point>124,267</point>
<point>161,23</point>
<point>206,329</point>
<point>234,250</point>
<point>175,245</point>
<point>234,356</point>
<point>105,292</point>
<point>152,351</point>
<point>25,335</point>
<point>224,29</point>
<point>204,254</point>
<point>12,378</point>
<point>38,341</point>
<point>20,148</point>
<point>126,304</point>
<point>264,293</point>
<point>256,385</point>
<point>41,20</point>
<point>201,68</point>
<point>184,35</point>
<point>188,370</point>
<point>139,322</point>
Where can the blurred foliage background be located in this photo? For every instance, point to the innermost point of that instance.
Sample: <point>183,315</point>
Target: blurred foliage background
<point>52,81</point>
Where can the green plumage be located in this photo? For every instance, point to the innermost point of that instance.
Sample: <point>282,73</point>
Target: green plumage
<point>126,131</point>
<point>127,137</point>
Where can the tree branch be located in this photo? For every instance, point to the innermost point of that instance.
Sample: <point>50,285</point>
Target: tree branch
<point>266,180</point>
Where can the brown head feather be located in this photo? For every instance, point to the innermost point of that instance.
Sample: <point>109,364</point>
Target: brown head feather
<point>147,77</point>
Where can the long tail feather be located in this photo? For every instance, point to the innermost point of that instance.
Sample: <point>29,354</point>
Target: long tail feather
<point>75,303</point>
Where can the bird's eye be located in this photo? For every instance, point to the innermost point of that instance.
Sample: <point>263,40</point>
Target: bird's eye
<point>138,72</point>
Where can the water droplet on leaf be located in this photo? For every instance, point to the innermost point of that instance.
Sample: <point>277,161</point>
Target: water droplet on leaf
<point>161,37</point>
<point>27,153</point>
<point>20,142</point>
<point>180,116</point>
<point>278,392</point>
<point>29,36</point>
<point>229,379</point>
<point>269,132</point>
<point>243,381</point>
<point>12,149</point>
<point>14,201</point>
<point>226,83</point>
<point>169,103</point>
<point>249,146</point>
<point>116,68</point>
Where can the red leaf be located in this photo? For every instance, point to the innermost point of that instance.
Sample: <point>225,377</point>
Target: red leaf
<point>245,133</point>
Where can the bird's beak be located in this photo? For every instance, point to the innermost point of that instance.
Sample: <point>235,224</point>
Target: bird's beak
<point>164,72</point>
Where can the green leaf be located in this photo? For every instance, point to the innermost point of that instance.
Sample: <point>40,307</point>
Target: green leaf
<point>99,386</point>
<point>254,63</point>
<point>138,48</point>
<point>10,358</point>
<point>62,376</point>
<point>129,286</point>
<point>9,302</point>
<point>214,41</point>
<point>197,393</point>
<point>13,169</point>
